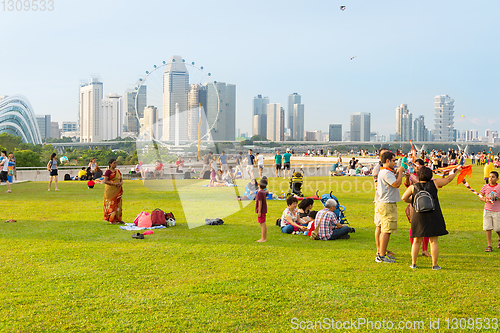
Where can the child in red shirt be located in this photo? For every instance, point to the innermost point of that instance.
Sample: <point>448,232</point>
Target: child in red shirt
<point>261,210</point>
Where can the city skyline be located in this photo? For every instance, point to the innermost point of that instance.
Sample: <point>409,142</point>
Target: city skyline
<point>331,84</point>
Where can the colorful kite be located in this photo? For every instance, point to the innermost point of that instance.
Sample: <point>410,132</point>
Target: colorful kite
<point>353,57</point>
<point>342,8</point>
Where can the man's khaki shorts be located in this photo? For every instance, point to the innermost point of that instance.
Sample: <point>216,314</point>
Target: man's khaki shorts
<point>388,213</point>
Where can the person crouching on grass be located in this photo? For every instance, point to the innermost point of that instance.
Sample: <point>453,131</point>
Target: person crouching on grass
<point>491,215</point>
<point>261,210</point>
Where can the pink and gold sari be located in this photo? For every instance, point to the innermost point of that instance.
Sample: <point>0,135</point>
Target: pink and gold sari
<point>113,199</point>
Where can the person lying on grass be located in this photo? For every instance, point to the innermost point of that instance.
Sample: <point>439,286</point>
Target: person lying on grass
<point>290,219</point>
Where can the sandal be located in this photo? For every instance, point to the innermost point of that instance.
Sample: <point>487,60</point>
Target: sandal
<point>488,249</point>
<point>426,254</point>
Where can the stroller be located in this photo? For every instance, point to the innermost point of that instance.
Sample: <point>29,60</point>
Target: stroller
<point>296,184</point>
<point>339,211</point>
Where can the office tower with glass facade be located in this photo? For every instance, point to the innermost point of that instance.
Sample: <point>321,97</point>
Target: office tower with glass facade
<point>335,132</point>
<point>43,122</point>
<point>292,100</point>
<point>175,97</point>
<point>360,126</point>
<point>420,132</point>
<point>298,122</point>
<point>260,115</point>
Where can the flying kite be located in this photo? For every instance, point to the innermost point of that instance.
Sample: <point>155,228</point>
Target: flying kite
<point>462,116</point>
<point>353,57</point>
<point>342,8</point>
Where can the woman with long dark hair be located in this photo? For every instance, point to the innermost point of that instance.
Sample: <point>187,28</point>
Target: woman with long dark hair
<point>429,223</point>
<point>52,167</point>
<point>113,192</point>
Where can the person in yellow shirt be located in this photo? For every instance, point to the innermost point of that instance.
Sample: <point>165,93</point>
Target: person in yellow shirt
<point>488,167</point>
<point>82,174</point>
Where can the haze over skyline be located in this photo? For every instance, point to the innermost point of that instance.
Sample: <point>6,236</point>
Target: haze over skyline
<point>406,52</point>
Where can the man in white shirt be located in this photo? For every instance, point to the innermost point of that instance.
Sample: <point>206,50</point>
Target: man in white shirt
<point>388,184</point>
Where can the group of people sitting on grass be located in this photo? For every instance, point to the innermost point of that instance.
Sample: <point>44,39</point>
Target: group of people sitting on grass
<point>299,218</point>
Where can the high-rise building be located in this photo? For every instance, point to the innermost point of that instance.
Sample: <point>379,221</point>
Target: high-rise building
<point>335,132</point>
<point>112,117</point>
<point>298,122</point>
<point>151,122</point>
<point>69,126</point>
<point>403,123</point>
<point>43,122</point>
<point>175,100</point>
<point>222,120</point>
<point>292,100</point>
<point>420,132</point>
<point>90,111</point>
<point>260,110</point>
<point>55,132</point>
<point>360,126</point>
<point>133,99</point>
<point>275,122</point>
<point>443,118</point>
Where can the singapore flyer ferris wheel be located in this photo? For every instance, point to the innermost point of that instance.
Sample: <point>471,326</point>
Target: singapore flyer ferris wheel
<point>177,102</point>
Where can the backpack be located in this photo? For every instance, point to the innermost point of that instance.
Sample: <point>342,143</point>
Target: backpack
<point>67,176</point>
<point>143,220</point>
<point>158,217</point>
<point>423,201</point>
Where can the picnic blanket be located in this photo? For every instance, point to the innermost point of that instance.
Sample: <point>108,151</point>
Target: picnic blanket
<point>131,226</point>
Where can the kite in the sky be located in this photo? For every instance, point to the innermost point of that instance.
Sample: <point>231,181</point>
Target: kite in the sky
<point>353,57</point>
<point>462,116</point>
<point>342,8</point>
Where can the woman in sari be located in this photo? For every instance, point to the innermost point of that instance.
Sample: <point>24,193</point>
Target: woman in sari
<point>113,194</point>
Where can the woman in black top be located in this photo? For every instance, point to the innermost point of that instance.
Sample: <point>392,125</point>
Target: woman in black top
<point>304,208</point>
<point>427,224</point>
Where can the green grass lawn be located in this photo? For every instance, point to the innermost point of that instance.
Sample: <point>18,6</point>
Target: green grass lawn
<point>65,269</point>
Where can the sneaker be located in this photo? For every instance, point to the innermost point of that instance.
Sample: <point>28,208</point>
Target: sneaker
<point>346,236</point>
<point>384,259</point>
<point>391,257</point>
<point>413,266</point>
<point>436,268</point>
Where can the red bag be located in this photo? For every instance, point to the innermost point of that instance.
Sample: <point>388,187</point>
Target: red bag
<point>158,217</point>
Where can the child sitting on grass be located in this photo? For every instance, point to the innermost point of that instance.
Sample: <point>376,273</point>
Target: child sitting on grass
<point>491,214</point>
<point>261,210</point>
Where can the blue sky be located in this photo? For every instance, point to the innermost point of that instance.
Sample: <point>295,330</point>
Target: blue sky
<point>406,52</point>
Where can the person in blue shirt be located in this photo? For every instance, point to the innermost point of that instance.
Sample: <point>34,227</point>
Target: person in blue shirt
<point>286,163</point>
<point>223,164</point>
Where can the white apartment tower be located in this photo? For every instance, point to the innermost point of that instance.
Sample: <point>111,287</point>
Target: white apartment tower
<point>443,118</point>
<point>175,97</point>
<point>112,117</point>
<point>90,111</point>
<point>403,123</point>
<point>275,122</point>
